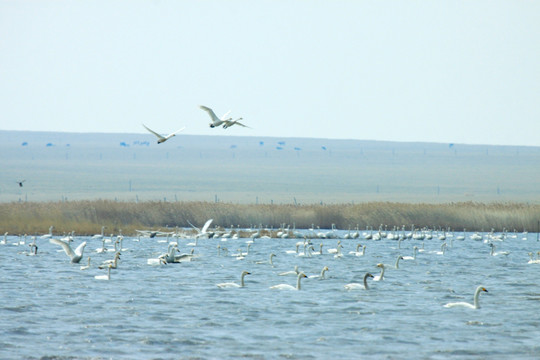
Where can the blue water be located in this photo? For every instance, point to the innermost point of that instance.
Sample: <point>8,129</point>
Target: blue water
<point>50,308</point>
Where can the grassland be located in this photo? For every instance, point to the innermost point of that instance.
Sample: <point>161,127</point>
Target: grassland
<point>87,217</point>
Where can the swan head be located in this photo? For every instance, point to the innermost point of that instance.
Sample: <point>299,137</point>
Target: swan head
<point>380,265</point>
<point>368,275</point>
<point>482,288</point>
<point>302,275</point>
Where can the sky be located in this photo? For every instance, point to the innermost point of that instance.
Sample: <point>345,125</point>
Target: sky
<point>464,72</point>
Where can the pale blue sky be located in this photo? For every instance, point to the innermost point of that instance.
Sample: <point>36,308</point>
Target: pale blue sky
<point>436,71</point>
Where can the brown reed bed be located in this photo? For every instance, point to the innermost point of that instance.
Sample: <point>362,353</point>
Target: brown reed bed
<point>87,217</point>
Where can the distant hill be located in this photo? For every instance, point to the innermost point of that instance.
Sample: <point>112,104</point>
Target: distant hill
<point>132,167</point>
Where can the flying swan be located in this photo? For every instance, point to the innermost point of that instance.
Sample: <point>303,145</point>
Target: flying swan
<point>475,305</point>
<point>161,138</point>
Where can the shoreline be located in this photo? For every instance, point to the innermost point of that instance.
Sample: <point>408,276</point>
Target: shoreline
<point>88,216</point>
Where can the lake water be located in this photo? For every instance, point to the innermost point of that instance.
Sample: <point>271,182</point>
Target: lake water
<point>52,309</point>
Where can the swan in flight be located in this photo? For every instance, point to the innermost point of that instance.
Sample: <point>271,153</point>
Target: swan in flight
<point>161,138</point>
<point>76,255</point>
<point>229,123</point>
<point>355,286</point>
<point>475,305</point>
<point>232,284</point>
<point>380,277</point>
<point>290,287</point>
<point>215,120</point>
<point>104,277</point>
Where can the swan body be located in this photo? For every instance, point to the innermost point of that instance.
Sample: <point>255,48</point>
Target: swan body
<point>357,252</point>
<point>104,277</point>
<point>531,261</point>
<point>215,120</point>
<point>290,287</point>
<point>112,263</point>
<point>232,284</point>
<point>269,261</point>
<point>294,272</point>
<point>76,255</point>
<point>86,267</point>
<point>380,277</point>
<point>161,138</point>
<point>415,249</point>
<point>493,253</point>
<point>322,275</point>
<point>356,286</point>
<point>475,305</point>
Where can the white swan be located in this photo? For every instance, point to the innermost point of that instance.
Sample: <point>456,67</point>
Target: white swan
<point>156,261</point>
<point>229,123</point>
<point>359,253</point>
<point>493,253</point>
<point>415,249</point>
<point>86,267</point>
<point>380,277</point>
<point>335,250</point>
<point>215,120</point>
<point>356,286</point>
<point>267,262</point>
<point>76,255</point>
<point>161,138</point>
<point>322,275</point>
<point>113,263</point>
<point>49,235</point>
<point>4,241</point>
<point>232,284</point>
<point>204,231</point>
<point>475,305</point>
<point>294,272</point>
<point>293,251</point>
<point>396,265</point>
<point>99,236</point>
<point>104,277</point>
<point>290,287</point>
<point>443,249</point>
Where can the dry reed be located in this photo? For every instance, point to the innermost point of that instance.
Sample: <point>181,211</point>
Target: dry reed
<point>87,217</point>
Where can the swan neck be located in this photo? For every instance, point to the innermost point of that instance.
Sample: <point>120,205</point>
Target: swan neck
<point>365,281</point>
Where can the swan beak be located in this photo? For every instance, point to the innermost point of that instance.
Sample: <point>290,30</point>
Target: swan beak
<point>484,289</point>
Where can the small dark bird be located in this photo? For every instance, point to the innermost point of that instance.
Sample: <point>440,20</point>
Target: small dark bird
<point>20,183</point>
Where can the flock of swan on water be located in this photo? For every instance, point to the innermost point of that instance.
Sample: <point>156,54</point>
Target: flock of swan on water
<point>303,248</point>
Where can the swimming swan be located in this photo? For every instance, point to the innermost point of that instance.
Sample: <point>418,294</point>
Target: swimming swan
<point>290,287</point>
<point>415,249</point>
<point>356,286</point>
<point>162,139</point>
<point>76,255</point>
<point>357,252</point>
<point>267,262</point>
<point>104,277</point>
<point>86,267</point>
<point>380,277</point>
<point>295,272</point>
<point>322,275</point>
<point>493,253</point>
<point>234,285</point>
<point>476,304</point>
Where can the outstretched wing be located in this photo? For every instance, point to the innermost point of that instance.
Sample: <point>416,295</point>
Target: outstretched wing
<point>206,225</point>
<point>176,132</point>
<point>210,112</point>
<point>224,116</point>
<point>80,248</point>
<point>67,249</point>
<point>153,132</point>
<point>234,122</point>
